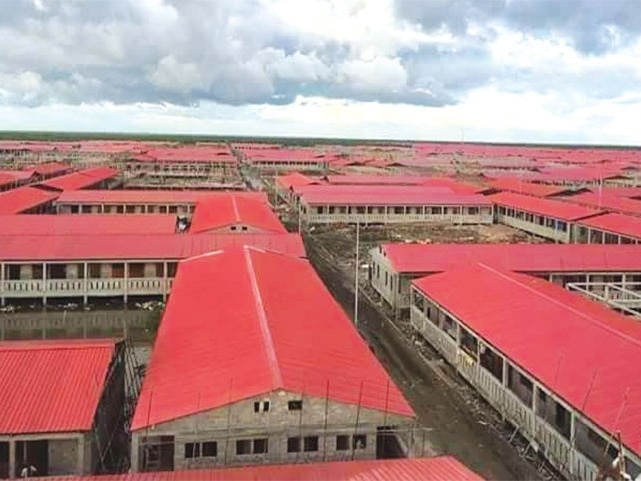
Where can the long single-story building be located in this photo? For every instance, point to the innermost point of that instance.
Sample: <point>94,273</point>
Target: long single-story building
<point>138,201</point>
<point>392,267</point>
<point>62,407</point>
<point>256,363</point>
<point>556,365</point>
<point>88,266</point>
<point>94,178</point>
<point>608,228</point>
<point>26,200</point>
<point>329,204</point>
<point>546,218</point>
<point>440,468</point>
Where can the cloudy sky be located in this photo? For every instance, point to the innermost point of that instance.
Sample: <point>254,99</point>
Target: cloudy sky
<point>493,70</point>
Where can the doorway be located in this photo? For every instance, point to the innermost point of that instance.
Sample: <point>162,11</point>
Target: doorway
<point>33,453</point>
<point>387,443</point>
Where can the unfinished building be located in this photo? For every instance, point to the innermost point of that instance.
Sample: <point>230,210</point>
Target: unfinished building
<point>329,204</point>
<point>392,267</point>
<point>62,408</point>
<point>294,381</point>
<point>555,365</point>
<point>609,228</point>
<point>550,219</point>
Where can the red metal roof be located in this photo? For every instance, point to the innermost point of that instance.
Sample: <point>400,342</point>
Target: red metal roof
<point>8,177</point>
<point>138,246</point>
<point>200,154</point>
<point>18,200</point>
<point>147,196</point>
<point>626,225</point>
<point>387,195</point>
<point>223,211</point>
<point>606,201</point>
<point>413,469</point>
<point>295,179</point>
<point>82,179</point>
<point>547,207</point>
<point>529,258</point>
<point>86,224</point>
<point>51,386</point>
<point>528,188</point>
<point>265,321</point>
<point>576,347</point>
<point>627,192</point>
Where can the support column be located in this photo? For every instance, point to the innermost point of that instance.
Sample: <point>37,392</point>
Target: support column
<point>126,283</point>
<point>85,284</point>
<point>44,284</point>
<point>2,281</point>
<point>12,459</point>
<point>165,281</point>
<point>80,468</point>
<point>134,453</point>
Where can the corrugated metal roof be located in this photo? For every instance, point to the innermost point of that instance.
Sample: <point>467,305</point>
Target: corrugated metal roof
<point>295,179</point>
<point>429,258</point>
<point>626,225</point>
<point>576,347</point>
<point>606,202</point>
<point>223,211</point>
<point>18,200</point>
<point>442,468</point>
<point>82,179</point>
<point>265,322</point>
<point>387,195</point>
<point>550,208</point>
<point>148,196</point>
<point>51,386</point>
<point>527,188</point>
<point>86,224</point>
<point>138,246</point>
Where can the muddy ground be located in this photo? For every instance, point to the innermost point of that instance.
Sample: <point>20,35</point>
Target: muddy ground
<point>455,419</point>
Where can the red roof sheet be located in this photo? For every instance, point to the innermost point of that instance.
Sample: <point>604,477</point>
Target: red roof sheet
<point>414,469</point>
<point>605,201</point>
<point>615,223</point>
<point>430,258</point>
<point>265,321</point>
<point>86,224</point>
<point>200,154</point>
<point>230,210</point>
<point>528,188</point>
<point>550,208</point>
<point>147,196</point>
<point>8,177</point>
<point>138,246</point>
<point>82,179</point>
<point>18,200</point>
<point>387,195</point>
<point>295,179</point>
<point>576,347</point>
<point>51,386</point>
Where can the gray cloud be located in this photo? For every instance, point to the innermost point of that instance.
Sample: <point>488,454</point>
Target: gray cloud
<point>238,52</point>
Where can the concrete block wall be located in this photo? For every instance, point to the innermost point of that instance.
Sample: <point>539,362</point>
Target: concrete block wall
<point>239,421</point>
<point>63,456</point>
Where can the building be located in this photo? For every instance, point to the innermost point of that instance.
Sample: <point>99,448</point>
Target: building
<point>26,200</point>
<point>95,178</point>
<point>10,179</point>
<point>137,201</point>
<point>550,219</point>
<point>555,365</point>
<point>609,228</point>
<point>284,184</point>
<point>232,214</point>
<point>47,268</point>
<point>62,407</point>
<point>609,202</point>
<point>392,267</point>
<point>519,186</point>
<point>294,381</point>
<point>391,204</point>
<point>441,468</point>
<point>273,161</point>
<point>166,166</point>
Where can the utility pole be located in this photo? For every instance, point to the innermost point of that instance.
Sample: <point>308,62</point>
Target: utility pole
<point>356,272</point>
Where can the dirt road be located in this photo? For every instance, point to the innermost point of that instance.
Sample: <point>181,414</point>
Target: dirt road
<point>454,427</point>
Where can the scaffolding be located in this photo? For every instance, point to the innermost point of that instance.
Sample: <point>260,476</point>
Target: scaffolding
<point>621,296</point>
